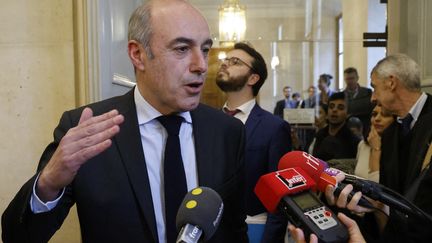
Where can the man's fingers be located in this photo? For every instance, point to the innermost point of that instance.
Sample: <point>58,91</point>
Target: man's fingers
<point>349,223</point>
<point>340,177</point>
<point>86,114</point>
<point>343,196</point>
<point>297,234</point>
<point>329,193</point>
<point>95,119</point>
<point>92,131</point>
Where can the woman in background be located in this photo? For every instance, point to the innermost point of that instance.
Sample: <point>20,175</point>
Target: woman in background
<point>369,151</point>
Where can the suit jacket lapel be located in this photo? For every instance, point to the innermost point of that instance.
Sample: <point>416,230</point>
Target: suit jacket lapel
<point>252,122</point>
<point>128,142</point>
<point>203,146</point>
<point>421,134</point>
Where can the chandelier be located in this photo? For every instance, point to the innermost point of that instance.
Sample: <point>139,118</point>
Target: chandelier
<point>232,22</point>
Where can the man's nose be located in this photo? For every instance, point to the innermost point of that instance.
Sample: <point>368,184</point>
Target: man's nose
<point>199,62</point>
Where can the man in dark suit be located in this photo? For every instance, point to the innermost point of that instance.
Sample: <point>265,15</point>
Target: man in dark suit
<point>240,76</point>
<point>405,163</point>
<point>358,98</point>
<point>108,157</point>
<point>284,103</point>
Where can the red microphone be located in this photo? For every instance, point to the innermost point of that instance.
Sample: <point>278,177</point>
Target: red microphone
<point>272,187</point>
<point>319,171</point>
<point>289,191</point>
<point>315,168</point>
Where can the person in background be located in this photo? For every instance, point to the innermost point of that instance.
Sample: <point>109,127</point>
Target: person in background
<point>369,151</point>
<point>297,100</point>
<point>324,82</point>
<point>336,141</point>
<point>287,102</point>
<point>358,97</point>
<point>356,126</point>
<point>240,76</point>
<point>320,123</point>
<point>311,101</point>
<point>128,161</point>
<point>406,151</point>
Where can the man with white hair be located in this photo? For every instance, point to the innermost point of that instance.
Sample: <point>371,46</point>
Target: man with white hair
<point>406,150</point>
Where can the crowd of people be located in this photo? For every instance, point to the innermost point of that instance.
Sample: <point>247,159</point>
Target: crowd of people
<point>128,161</point>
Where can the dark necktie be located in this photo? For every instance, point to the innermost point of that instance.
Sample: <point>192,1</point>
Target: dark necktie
<point>406,124</point>
<point>231,112</point>
<point>175,187</point>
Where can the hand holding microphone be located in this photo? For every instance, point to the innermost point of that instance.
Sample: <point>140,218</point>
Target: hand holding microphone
<point>324,176</point>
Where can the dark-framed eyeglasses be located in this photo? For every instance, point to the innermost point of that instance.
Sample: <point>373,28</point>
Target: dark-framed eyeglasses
<point>232,61</point>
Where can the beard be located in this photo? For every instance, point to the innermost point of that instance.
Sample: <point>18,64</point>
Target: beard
<point>232,84</point>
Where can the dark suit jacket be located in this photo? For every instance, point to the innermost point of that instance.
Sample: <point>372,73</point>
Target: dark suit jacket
<point>280,106</point>
<point>398,228</point>
<point>278,110</point>
<point>361,107</point>
<point>268,138</point>
<point>112,191</point>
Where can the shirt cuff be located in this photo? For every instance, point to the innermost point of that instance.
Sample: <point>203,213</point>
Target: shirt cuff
<point>37,206</point>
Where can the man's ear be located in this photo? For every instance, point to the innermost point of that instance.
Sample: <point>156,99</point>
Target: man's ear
<point>253,78</point>
<point>136,54</point>
<point>392,82</point>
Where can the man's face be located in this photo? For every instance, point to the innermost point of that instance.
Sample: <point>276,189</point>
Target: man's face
<point>287,92</point>
<point>311,91</point>
<point>322,84</point>
<point>234,71</point>
<point>337,112</point>
<point>382,94</point>
<point>172,81</point>
<point>351,79</point>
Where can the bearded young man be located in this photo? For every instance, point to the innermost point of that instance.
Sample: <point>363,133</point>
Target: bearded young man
<point>268,137</point>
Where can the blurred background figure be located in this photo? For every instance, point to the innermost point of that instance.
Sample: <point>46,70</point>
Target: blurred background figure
<point>287,102</point>
<point>324,82</point>
<point>356,126</point>
<point>296,100</point>
<point>311,101</point>
<point>358,98</point>
<point>336,141</point>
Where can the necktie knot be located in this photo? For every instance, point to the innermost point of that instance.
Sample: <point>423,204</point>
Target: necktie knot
<point>171,123</point>
<point>406,124</point>
<point>231,112</point>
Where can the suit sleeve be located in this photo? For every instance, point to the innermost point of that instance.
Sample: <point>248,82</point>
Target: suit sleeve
<point>19,223</point>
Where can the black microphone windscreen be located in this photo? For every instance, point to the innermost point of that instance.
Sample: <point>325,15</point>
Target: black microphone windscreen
<point>202,207</point>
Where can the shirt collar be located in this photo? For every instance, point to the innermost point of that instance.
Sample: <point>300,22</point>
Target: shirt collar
<point>416,108</point>
<point>245,108</point>
<point>147,113</point>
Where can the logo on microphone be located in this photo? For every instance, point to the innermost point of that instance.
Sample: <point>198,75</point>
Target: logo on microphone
<point>194,233</point>
<point>292,178</point>
<point>311,161</point>
<point>296,181</point>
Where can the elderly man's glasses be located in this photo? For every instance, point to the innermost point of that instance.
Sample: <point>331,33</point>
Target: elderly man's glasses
<point>232,61</point>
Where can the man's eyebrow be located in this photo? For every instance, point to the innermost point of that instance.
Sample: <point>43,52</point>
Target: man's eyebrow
<point>208,42</point>
<point>181,40</point>
<point>188,41</point>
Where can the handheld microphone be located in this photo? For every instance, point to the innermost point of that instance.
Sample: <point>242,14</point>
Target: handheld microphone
<point>289,191</point>
<point>319,171</point>
<point>387,196</point>
<point>199,215</point>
